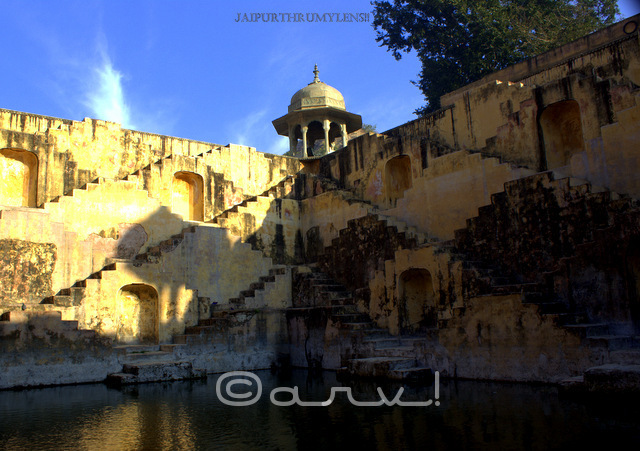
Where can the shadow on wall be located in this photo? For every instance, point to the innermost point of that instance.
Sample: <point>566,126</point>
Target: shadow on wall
<point>144,296</point>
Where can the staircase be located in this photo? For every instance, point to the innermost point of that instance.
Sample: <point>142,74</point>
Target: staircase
<point>151,363</point>
<point>589,225</point>
<point>366,349</point>
<point>265,293</point>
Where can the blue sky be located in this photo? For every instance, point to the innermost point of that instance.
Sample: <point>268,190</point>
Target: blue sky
<point>188,69</point>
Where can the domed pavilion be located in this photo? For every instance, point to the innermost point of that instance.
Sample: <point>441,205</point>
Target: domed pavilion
<point>317,111</point>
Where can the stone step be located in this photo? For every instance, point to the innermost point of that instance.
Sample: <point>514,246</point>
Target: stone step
<point>419,373</point>
<point>395,351</point>
<point>367,325</point>
<point>588,330</point>
<point>343,309</point>
<point>375,333</point>
<point>625,356</point>
<point>611,342</point>
<point>378,366</point>
<point>572,384</point>
<point>613,378</point>
<point>545,308</point>
<point>415,341</point>
<point>342,300</point>
<point>169,347</point>
<point>152,356</point>
<point>155,372</point>
<point>351,317</point>
<point>327,287</point>
<point>528,288</point>
<point>381,342</point>
<point>564,319</point>
<point>132,349</point>
<point>215,328</point>
<point>217,319</point>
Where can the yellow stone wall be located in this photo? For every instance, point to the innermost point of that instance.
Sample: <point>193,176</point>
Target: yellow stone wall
<point>329,212</point>
<point>384,302</point>
<point>72,255</point>
<point>450,192</point>
<point>73,153</point>
<point>208,263</point>
<point>432,173</point>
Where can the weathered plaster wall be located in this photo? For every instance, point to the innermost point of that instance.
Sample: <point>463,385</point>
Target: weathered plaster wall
<point>323,216</point>
<point>271,225</point>
<point>386,302</point>
<point>39,257</point>
<point>208,265</point>
<point>500,118</point>
<point>73,153</point>
<point>40,349</point>
<point>245,341</point>
<point>500,338</point>
<point>540,227</point>
<point>451,191</point>
<point>112,203</point>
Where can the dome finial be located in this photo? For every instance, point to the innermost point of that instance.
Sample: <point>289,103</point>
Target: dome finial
<point>315,74</point>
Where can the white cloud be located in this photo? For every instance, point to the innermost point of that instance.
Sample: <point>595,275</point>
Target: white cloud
<point>104,94</point>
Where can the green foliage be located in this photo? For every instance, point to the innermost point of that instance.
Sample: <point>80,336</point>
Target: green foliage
<point>369,128</point>
<point>460,41</point>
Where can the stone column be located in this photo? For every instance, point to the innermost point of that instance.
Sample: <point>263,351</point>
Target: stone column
<point>293,142</point>
<point>326,125</point>
<point>343,132</point>
<point>304,141</point>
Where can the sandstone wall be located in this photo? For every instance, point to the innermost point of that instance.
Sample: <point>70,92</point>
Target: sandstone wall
<point>73,153</point>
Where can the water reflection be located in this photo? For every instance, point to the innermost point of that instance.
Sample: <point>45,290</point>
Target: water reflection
<point>188,415</point>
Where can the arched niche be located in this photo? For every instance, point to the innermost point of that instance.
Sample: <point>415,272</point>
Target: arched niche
<point>187,195</point>
<point>417,305</point>
<point>19,181</point>
<point>137,314</point>
<point>397,177</point>
<point>561,132</point>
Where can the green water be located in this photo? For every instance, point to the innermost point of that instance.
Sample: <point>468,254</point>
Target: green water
<point>190,415</point>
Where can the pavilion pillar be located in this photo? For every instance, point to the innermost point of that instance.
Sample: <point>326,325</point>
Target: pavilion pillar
<point>326,125</point>
<point>304,141</point>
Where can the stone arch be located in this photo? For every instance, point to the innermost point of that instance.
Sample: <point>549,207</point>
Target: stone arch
<point>561,127</point>
<point>187,195</point>
<point>397,173</point>
<point>315,133</point>
<point>417,306</point>
<point>19,181</point>
<point>335,132</point>
<point>137,314</point>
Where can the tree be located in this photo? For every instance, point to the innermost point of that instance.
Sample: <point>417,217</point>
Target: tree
<point>460,41</point>
<point>369,128</point>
